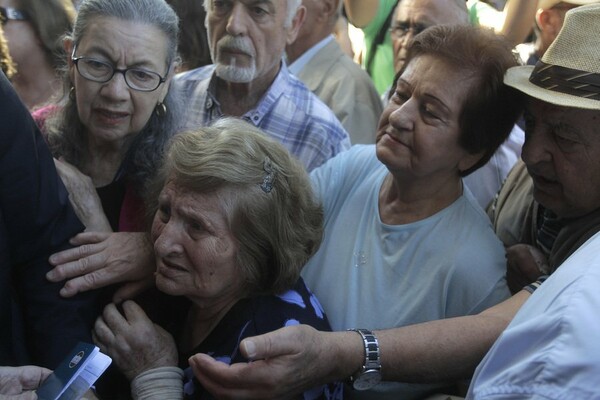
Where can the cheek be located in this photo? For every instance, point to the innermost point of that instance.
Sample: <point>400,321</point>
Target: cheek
<point>156,229</point>
<point>143,107</point>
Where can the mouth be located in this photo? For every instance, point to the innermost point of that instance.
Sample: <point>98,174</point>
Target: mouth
<point>541,183</point>
<point>165,267</point>
<point>393,138</point>
<point>109,115</point>
<point>234,52</point>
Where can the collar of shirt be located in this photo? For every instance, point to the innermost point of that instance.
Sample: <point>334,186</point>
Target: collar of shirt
<point>264,106</point>
<point>308,55</point>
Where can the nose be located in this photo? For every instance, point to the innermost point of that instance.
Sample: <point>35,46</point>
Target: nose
<point>536,148</point>
<point>236,24</point>
<point>402,118</point>
<point>168,243</point>
<point>116,88</point>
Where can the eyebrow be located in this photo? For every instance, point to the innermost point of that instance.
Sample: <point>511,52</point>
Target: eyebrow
<point>428,96</point>
<point>104,53</point>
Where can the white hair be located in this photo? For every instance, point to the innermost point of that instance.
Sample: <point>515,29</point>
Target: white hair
<point>292,7</point>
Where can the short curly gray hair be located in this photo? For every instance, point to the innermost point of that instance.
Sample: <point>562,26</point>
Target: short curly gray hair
<point>266,193</point>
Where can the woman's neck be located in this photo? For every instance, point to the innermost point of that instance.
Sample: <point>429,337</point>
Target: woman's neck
<point>102,163</point>
<point>406,201</point>
<point>201,321</point>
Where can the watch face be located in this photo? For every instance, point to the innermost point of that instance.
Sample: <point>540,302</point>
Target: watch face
<point>367,379</point>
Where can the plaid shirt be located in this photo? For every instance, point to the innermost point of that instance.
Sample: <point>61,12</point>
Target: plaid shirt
<point>289,112</point>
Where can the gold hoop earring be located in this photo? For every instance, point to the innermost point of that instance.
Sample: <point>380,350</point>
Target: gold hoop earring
<point>160,109</point>
<point>72,93</point>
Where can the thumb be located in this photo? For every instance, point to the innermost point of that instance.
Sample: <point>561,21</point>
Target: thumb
<point>283,341</point>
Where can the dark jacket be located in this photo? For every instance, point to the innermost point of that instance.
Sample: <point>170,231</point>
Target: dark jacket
<point>37,326</point>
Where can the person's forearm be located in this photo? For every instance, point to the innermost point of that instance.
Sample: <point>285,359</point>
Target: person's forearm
<point>446,349</point>
<point>519,16</point>
<point>361,12</point>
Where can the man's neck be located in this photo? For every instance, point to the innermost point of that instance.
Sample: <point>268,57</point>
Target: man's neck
<point>300,46</point>
<point>236,99</point>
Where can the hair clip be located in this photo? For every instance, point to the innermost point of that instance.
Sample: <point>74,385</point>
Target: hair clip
<point>267,183</point>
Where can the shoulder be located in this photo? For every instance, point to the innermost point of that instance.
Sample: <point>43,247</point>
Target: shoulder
<point>552,339</point>
<point>293,307</point>
<point>298,103</point>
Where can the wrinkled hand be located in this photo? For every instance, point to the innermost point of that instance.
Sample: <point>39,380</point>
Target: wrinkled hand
<point>133,341</point>
<point>525,264</point>
<point>83,197</point>
<point>19,382</point>
<point>287,362</point>
<point>102,259</point>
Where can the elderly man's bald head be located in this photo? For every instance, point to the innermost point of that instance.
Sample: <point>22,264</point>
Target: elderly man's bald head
<point>413,16</point>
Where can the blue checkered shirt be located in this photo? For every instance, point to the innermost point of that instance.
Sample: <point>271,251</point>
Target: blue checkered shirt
<point>289,112</point>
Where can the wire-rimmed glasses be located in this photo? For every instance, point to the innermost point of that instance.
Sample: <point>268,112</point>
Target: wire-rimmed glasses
<point>101,71</point>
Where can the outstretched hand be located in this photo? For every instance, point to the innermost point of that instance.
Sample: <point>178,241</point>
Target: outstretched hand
<point>20,382</point>
<point>101,259</point>
<point>286,363</point>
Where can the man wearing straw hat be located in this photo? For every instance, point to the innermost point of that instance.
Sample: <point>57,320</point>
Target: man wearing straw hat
<point>550,349</point>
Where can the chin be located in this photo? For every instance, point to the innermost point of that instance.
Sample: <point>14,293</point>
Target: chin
<point>167,286</point>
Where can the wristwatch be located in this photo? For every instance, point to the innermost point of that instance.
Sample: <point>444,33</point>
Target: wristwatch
<point>369,374</point>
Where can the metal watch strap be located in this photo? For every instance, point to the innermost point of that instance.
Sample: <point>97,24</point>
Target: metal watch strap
<point>372,358</point>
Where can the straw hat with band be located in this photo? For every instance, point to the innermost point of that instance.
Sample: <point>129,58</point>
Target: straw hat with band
<point>569,72</point>
<point>546,4</point>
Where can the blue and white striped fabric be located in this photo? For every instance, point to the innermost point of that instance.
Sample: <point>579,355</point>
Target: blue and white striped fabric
<point>289,112</point>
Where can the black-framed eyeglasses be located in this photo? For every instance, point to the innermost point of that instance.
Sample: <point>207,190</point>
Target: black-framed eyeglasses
<point>9,13</point>
<point>402,29</point>
<point>102,72</point>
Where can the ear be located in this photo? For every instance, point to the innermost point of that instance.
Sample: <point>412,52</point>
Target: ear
<point>330,8</point>
<point>469,160</point>
<point>543,19</point>
<point>297,21</point>
<point>68,47</point>
<point>164,88</point>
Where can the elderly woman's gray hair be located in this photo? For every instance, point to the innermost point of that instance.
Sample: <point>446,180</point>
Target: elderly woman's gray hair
<point>266,193</point>
<point>152,12</point>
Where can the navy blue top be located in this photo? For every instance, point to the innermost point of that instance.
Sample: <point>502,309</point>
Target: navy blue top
<point>255,316</point>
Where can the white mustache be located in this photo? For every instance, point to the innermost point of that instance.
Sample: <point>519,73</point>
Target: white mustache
<point>237,43</point>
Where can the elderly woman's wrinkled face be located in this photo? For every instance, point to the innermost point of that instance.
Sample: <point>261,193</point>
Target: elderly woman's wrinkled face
<point>112,111</point>
<point>195,249</point>
<point>419,129</point>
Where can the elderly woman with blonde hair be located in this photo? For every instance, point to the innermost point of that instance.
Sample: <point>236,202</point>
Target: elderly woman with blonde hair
<point>234,222</point>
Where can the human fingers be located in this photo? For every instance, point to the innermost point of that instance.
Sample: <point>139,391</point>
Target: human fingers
<point>283,341</point>
<point>29,395</point>
<point>93,280</point>
<point>84,242</point>
<point>76,261</point>
<point>236,381</point>
<point>31,376</point>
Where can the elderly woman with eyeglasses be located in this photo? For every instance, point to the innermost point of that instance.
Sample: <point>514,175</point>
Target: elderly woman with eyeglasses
<point>116,115</point>
<point>234,221</point>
